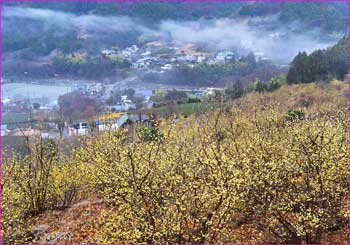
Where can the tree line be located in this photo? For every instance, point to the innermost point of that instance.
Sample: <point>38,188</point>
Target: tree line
<point>320,65</point>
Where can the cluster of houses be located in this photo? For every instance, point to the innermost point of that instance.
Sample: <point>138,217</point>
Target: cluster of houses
<point>125,104</point>
<point>163,56</point>
<point>121,118</point>
<point>21,123</point>
<point>111,121</point>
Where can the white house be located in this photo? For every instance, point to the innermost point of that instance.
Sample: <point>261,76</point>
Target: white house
<point>211,91</point>
<point>224,55</point>
<point>148,104</point>
<point>146,54</point>
<point>119,122</point>
<point>4,130</point>
<point>124,106</point>
<point>127,52</point>
<point>200,59</point>
<point>5,101</point>
<point>79,129</point>
<point>167,67</point>
<point>186,58</point>
<point>107,52</point>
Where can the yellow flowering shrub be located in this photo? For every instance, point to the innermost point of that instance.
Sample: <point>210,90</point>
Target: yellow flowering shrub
<point>240,174</point>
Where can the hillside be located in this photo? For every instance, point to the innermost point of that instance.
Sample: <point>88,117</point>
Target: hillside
<point>330,16</point>
<point>223,177</point>
<point>40,39</point>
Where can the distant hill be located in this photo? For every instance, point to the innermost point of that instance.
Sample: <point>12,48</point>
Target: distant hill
<point>330,16</point>
<point>33,41</point>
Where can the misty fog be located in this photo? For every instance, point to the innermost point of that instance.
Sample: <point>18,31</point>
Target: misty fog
<point>265,36</point>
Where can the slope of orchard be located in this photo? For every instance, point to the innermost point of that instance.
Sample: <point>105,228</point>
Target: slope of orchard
<point>266,168</point>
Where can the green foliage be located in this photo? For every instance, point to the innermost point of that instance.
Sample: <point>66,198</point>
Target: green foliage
<point>77,59</point>
<point>129,92</point>
<point>235,90</point>
<point>91,67</point>
<point>209,74</point>
<point>120,62</point>
<point>269,86</point>
<point>149,133</point>
<point>320,65</point>
<point>295,115</point>
<point>329,16</point>
<point>175,95</point>
<point>185,109</point>
<point>65,41</point>
<point>276,83</point>
<point>298,68</point>
<point>193,100</point>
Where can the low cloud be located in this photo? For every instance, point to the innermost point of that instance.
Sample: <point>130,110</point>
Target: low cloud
<point>280,43</point>
<point>71,21</point>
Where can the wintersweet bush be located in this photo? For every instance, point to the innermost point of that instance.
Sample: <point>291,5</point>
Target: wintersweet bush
<point>242,174</point>
<point>288,179</point>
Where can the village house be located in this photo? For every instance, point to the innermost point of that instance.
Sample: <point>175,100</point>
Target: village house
<point>200,59</point>
<point>139,118</point>
<point>4,130</point>
<point>146,54</point>
<point>148,104</point>
<point>124,105</point>
<point>114,121</point>
<point>167,67</point>
<point>186,58</point>
<point>211,91</point>
<point>129,51</point>
<point>224,56</point>
<point>142,63</point>
<point>108,121</point>
<point>107,52</point>
<point>81,128</point>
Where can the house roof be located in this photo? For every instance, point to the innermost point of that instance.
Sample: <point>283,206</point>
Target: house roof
<point>122,120</point>
<point>135,118</point>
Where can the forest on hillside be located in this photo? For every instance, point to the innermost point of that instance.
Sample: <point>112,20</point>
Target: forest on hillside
<point>40,38</point>
<point>330,16</point>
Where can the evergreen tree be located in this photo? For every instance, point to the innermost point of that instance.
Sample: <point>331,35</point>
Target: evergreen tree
<point>296,73</point>
<point>235,91</point>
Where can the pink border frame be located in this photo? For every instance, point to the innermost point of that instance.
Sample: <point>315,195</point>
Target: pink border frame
<point>179,1</point>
